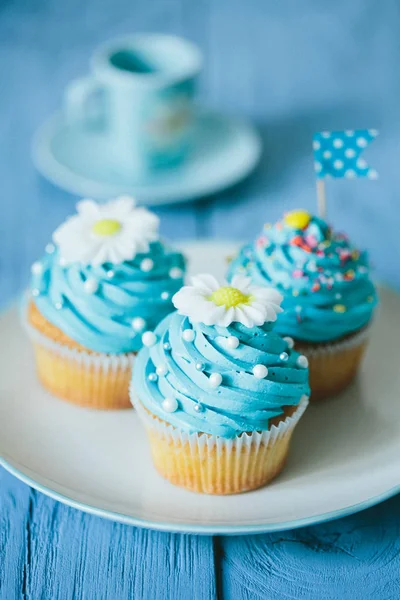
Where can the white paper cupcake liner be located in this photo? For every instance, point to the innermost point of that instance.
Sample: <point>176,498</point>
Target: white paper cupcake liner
<point>215,465</point>
<point>89,379</point>
<point>354,340</point>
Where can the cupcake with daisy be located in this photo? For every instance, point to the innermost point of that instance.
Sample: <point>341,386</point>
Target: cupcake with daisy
<point>103,284</point>
<point>219,391</point>
<point>329,296</point>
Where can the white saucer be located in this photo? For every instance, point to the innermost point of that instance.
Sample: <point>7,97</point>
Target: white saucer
<point>226,150</point>
<point>344,455</point>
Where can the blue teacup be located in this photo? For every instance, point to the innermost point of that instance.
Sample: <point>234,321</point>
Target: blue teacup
<point>140,94</point>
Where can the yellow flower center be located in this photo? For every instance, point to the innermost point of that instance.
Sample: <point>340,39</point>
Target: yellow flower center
<point>106,227</point>
<point>298,219</point>
<point>229,297</point>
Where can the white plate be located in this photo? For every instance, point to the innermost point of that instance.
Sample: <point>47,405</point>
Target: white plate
<point>344,456</point>
<point>78,160</point>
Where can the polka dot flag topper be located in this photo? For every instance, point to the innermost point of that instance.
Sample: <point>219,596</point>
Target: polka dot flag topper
<point>338,153</point>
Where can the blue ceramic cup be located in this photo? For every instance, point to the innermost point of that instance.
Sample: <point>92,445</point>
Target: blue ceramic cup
<point>140,95</point>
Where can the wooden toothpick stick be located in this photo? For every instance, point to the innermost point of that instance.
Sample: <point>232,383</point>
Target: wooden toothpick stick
<point>321,198</point>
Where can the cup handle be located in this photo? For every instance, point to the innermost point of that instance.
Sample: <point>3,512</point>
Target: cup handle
<point>85,102</point>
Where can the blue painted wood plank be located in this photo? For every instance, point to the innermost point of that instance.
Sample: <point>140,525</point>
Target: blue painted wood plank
<point>51,551</point>
<point>357,558</point>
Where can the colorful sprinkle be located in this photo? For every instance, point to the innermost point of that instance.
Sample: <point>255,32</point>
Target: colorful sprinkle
<point>311,241</point>
<point>349,275</point>
<point>339,308</point>
<point>262,242</point>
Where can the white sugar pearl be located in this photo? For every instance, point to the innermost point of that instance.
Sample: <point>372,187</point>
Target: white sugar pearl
<point>152,377</point>
<point>62,262</point>
<point>149,338</point>
<point>200,366</point>
<point>176,273</point>
<point>162,370</point>
<point>164,295</point>
<point>147,264</point>
<point>37,268</point>
<point>91,286</point>
<point>188,335</point>
<point>302,361</point>
<point>138,324</point>
<point>50,248</point>
<point>58,305</point>
<point>35,292</point>
<point>170,405</point>
<point>289,341</point>
<point>215,380</point>
<point>167,346</point>
<point>110,274</point>
<point>260,371</point>
<point>198,407</point>
<point>232,342</point>
<point>284,356</point>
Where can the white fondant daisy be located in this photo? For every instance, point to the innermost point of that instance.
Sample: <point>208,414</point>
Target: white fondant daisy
<point>106,233</point>
<point>208,302</point>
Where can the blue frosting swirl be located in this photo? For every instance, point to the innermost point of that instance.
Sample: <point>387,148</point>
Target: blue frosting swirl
<point>102,321</point>
<point>325,281</point>
<point>242,403</point>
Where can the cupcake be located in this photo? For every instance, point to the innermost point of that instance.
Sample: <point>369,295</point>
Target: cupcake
<point>219,391</point>
<point>96,295</point>
<point>329,298</point>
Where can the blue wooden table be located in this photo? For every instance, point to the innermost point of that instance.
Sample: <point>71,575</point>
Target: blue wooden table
<point>293,68</point>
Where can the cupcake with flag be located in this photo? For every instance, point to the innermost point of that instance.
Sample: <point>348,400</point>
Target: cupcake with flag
<point>100,289</point>
<point>218,390</point>
<point>329,297</point>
